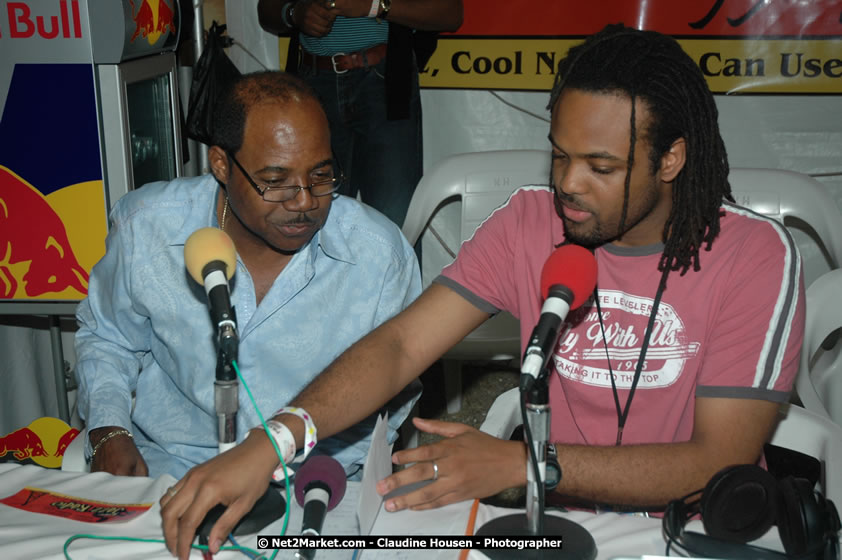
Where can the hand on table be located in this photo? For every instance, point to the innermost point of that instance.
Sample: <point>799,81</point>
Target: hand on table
<point>118,455</point>
<point>470,464</point>
<point>236,479</point>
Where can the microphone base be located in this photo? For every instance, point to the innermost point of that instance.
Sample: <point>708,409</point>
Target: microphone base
<point>578,544</point>
<point>267,509</point>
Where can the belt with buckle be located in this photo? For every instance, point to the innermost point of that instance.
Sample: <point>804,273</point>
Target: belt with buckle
<point>342,62</point>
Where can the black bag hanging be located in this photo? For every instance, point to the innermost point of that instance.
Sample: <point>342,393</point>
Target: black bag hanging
<point>211,74</point>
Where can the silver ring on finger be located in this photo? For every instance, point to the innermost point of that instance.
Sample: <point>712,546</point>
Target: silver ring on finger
<point>435,471</point>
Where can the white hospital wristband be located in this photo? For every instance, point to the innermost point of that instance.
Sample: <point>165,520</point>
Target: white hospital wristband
<point>286,444</point>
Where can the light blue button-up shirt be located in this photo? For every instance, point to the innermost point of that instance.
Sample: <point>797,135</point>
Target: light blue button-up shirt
<point>145,329</point>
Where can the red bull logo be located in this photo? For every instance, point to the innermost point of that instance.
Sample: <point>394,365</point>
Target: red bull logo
<point>67,22</point>
<point>153,18</point>
<point>22,444</point>
<point>35,254</point>
<point>64,441</point>
<point>42,442</point>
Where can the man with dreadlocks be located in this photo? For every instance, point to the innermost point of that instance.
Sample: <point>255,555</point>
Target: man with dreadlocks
<point>639,176</point>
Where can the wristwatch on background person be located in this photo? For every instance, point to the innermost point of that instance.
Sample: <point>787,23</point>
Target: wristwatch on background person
<point>385,6</point>
<point>552,476</point>
<point>287,14</point>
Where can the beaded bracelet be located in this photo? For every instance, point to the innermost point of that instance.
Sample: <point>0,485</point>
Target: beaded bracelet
<point>106,437</point>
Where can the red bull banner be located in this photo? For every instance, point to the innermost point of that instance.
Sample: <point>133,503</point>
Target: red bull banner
<point>741,46</point>
<point>52,203</point>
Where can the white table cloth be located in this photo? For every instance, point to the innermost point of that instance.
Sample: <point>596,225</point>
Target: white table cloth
<point>25,535</point>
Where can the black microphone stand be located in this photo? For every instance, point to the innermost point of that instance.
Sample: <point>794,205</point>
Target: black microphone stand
<point>271,505</point>
<point>578,543</point>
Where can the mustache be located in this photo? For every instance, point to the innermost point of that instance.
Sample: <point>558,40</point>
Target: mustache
<point>569,201</point>
<point>300,220</point>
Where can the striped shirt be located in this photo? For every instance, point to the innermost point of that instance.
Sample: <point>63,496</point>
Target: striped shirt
<point>346,36</point>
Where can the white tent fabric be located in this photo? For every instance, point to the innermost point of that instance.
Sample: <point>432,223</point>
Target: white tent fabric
<point>797,132</point>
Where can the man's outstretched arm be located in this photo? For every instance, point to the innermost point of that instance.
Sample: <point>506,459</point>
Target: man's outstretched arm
<point>360,381</point>
<point>472,464</point>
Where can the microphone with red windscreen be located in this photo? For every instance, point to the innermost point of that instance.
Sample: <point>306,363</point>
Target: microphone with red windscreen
<point>319,487</point>
<point>567,280</point>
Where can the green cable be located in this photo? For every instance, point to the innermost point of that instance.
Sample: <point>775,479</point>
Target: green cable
<point>203,547</point>
<point>256,553</point>
<point>274,444</point>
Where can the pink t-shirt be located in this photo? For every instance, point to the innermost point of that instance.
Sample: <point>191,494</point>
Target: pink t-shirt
<point>733,329</point>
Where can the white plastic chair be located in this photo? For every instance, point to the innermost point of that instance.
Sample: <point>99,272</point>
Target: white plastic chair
<point>797,200</point>
<point>802,430</point>
<point>819,381</point>
<point>792,197</point>
<point>483,181</point>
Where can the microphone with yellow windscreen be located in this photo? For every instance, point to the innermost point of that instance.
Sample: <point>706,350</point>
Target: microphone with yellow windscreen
<point>206,246</point>
<point>211,259</point>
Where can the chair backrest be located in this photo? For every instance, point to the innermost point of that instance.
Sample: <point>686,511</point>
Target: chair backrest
<point>787,195</point>
<point>819,381</point>
<point>802,430</point>
<point>483,181</point>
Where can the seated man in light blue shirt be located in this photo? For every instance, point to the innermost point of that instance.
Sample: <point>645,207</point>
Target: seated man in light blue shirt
<point>315,272</point>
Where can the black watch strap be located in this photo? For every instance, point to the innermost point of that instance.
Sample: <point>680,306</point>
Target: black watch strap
<point>552,476</point>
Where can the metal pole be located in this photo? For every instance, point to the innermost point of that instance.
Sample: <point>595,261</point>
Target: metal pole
<point>58,368</point>
<point>199,41</point>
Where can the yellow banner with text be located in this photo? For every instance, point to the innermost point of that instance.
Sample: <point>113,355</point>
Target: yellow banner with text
<point>751,65</point>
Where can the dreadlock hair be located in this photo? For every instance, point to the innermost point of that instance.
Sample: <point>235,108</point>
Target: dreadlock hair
<point>652,67</point>
<point>247,91</point>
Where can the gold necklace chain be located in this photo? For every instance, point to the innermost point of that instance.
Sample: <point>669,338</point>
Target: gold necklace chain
<point>224,214</point>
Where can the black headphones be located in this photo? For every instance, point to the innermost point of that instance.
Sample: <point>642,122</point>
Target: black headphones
<point>741,503</point>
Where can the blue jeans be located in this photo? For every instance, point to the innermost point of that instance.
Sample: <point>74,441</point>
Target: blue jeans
<point>382,159</point>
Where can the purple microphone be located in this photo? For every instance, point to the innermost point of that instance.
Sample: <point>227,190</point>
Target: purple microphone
<point>319,487</point>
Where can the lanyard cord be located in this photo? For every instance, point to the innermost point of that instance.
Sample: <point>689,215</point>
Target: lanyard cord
<point>623,414</point>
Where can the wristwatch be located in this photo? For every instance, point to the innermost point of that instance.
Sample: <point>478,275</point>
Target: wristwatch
<point>385,6</point>
<point>552,475</point>
<point>288,14</point>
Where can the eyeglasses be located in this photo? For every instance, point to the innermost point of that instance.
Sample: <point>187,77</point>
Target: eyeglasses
<point>284,193</point>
